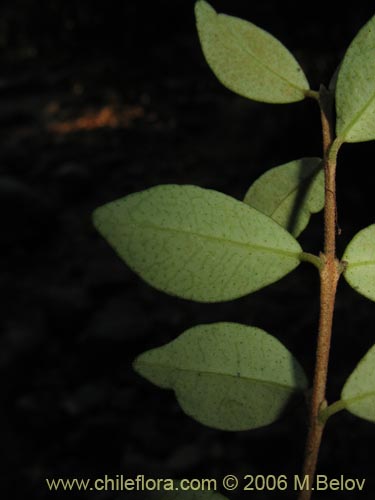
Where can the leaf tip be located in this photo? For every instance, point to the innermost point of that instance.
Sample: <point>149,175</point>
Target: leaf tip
<point>96,217</point>
<point>203,12</point>
<point>201,7</point>
<point>136,363</point>
<point>101,219</point>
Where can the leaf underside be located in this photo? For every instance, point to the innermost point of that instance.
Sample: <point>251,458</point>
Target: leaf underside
<point>358,393</point>
<point>360,258</point>
<point>290,193</point>
<point>226,375</point>
<point>247,59</point>
<point>355,88</point>
<point>197,243</point>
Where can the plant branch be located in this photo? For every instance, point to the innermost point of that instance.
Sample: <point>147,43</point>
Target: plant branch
<point>329,275</point>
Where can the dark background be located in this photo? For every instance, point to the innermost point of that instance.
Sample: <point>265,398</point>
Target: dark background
<point>101,99</point>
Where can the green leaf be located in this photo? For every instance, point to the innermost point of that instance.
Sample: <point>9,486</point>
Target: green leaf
<point>358,393</point>
<point>360,258</point>
<point>355,89</point>
<point>247,59</point>
<point>289,194</point>
<point>333,82</point>
<point>197,243</point>
<point>226,375</point>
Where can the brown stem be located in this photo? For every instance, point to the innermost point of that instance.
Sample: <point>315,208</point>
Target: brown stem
<point>329,276</point>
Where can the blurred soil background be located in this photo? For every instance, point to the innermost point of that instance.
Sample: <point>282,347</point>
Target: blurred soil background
<point>101,99</point>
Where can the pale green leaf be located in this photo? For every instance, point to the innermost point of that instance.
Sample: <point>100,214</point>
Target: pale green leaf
<point>358,394</point>
<point>360,258</point>
<point>197,243</point>
<point>226,375</point>
<point>247,59</point>
<point>290,193</point>
<point>333,82</point>
<point>355,89</point>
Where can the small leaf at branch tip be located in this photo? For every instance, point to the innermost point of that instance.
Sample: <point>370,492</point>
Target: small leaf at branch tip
<point>355,91</point>
<point>290,193</point>
<point>248,60</point>
<point>358,394</point>
<point>226,375</point>
<point>197,243</point>
<point>359,259</point>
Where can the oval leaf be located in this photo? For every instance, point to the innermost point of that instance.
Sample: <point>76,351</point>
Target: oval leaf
<point>289,194</point>
<point>197,243</point>
<point>247,59</point>
<point>226,375</point>
<point>360,258</point>
<point>358,393</point>
<point>355,89</point>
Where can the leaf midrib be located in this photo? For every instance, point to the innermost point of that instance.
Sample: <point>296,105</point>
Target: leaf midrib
<point>260,62</point>
<point>357,116</point>
<point>359,264</point>
<point>365,395</point>
<point>258,248</point>
<point>206,372</point>
<point>297,186</point>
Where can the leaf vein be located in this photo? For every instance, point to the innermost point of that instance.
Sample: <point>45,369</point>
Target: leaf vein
<point>248,245</point>
<point>260,62</point>
<point>230,375</point>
